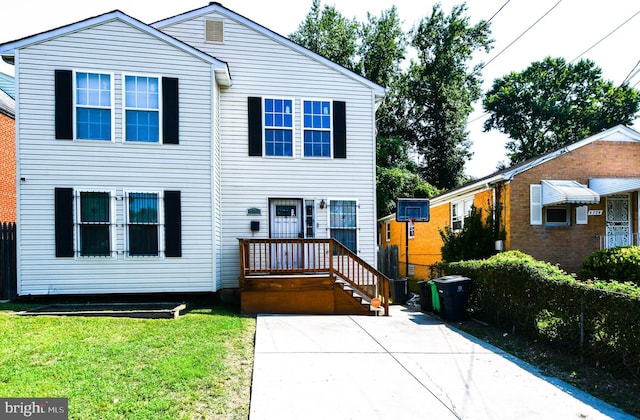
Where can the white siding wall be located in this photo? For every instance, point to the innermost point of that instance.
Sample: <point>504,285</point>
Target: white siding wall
<point>46,163</point>
<point>260,66</point>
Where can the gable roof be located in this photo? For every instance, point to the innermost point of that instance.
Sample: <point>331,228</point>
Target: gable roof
<point>7,50</point>
<point>7,84</point>
<point>215,7</point>
<point>617,133</point>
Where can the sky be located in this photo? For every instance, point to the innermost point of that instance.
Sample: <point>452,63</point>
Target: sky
<point>571,29</point>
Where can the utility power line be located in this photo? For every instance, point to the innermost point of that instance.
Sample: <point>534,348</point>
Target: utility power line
<point>499,10</point>
<point>605,37</point>
<point>522,34</point>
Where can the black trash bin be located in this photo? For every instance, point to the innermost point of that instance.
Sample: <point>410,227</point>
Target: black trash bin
<point>426,300</point>
<point>454,297</point>
<point>398,291</point>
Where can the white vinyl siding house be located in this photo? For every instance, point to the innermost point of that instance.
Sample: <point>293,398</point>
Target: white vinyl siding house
<point>162,133</point>
<point>267,66</point>
<point>117,166</point>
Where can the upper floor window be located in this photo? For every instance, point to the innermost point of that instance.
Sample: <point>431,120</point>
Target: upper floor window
<point>317,128</point>
<point>142,108</point>
<point>278,127</point>
<point>93,106</point>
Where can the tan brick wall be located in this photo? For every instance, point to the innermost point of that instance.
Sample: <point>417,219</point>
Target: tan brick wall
<point>569,245</point>
<point>7,169</point>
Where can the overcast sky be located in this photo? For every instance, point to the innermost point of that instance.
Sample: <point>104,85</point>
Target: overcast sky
<point>569,29</point>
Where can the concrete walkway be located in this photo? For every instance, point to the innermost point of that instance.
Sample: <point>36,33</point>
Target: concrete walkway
<point>405,366</point>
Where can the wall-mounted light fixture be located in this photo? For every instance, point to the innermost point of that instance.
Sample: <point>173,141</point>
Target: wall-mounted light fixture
<point>323,204</point>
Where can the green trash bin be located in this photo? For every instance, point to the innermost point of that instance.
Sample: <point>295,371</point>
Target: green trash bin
<point>435,297</point>
<point>429,299</point>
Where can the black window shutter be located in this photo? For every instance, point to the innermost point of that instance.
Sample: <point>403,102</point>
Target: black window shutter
<point>339,130</point>
<point>255,126</point>
<point>64,222</point>
<point>64,104</point>
<point>170,111</point>
<point>172,224</point>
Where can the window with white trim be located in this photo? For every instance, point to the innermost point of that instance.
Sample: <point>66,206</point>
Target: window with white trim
<point>143,224</point>
<point>142,108</point>
<point>316,128</point>
<point>343,222</point>
<point>94,223</point>
<point>412,229</point>
<point>387,228</point>
<point>460,210</point>
<point>93,106</point>
<point>278,127</point>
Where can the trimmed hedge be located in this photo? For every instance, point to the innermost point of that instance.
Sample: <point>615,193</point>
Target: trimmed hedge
<point>597,320</point>
<point>621,264</point>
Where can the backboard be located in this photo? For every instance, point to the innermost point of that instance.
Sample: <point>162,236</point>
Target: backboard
<point>412,209</point>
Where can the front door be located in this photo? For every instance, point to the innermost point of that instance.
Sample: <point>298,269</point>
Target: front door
<point>618,221</point>
<point>286,222</point>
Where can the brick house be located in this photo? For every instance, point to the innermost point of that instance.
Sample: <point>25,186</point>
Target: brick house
<point>558,207</point>
<point>7,156</point>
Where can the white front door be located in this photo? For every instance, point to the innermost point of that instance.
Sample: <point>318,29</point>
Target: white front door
<point>285,222</point>
<point>618,221</point>
<point>285,216</point>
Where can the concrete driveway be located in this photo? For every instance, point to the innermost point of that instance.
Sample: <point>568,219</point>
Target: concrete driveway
<point>405,366</point>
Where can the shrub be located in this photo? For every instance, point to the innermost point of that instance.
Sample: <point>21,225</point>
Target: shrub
<point>592,319</point>
<point>621,264</point>
<point>475,240</point>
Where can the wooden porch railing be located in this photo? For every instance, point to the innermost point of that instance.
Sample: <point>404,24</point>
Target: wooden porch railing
<point>296,256</point>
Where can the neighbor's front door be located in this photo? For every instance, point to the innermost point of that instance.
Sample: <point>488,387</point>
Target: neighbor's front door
<point>285,222</point>
<point>618,221</point>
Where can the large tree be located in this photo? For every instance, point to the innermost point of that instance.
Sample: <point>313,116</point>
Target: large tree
<point>553,103</point>
<point>439,89</point>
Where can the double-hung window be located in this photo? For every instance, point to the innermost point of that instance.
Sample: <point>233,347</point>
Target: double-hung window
<point>317,128</point>
<point>142,108</point>
<point>95,214</point>
<point>459,212</point>
<point>143,223</point>
<point>343,218</point>
<point>278,127</point>
<point>93,101</point>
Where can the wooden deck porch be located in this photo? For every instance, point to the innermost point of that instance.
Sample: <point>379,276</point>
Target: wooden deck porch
<point>308,276</point>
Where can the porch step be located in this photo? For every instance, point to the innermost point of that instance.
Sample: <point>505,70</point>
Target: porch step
<point>359,297</point>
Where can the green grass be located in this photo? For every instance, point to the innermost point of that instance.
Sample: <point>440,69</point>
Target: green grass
<point>197,366</point>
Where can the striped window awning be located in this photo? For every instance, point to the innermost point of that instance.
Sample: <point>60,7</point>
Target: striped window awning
<point>567,192</point>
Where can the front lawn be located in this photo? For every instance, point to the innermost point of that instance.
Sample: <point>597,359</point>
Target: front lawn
<point>197,366</point>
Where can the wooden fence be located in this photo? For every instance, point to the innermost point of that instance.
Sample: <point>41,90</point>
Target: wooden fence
<point>8,266</point>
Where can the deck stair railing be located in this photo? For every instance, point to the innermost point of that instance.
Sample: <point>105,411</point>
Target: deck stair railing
<point>309,256</point>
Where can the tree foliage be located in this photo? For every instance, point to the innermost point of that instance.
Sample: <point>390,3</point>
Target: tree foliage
<point>476,240</point>
<point>553,103</point>
<point>439,89</point>
<point>397,176</point>
<point>326,32</point>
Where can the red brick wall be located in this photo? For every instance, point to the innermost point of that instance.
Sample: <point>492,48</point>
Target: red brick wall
<point>7,169</point>
<point>569,245</point>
